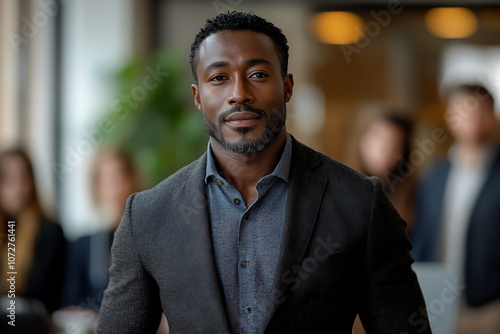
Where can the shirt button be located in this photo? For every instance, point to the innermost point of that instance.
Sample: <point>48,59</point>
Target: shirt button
<point>244,264</point>
<point>237,201</point>
<point>219,182</point>
<point>246,216</point>
<point>248,309</point>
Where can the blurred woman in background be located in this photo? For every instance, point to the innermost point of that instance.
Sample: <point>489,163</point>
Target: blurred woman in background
<point>384,151</point>
<point>114,178</point>
<point>39,243</point>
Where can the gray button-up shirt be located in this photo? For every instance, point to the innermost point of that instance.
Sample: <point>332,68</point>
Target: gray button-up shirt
<point>247,240</point>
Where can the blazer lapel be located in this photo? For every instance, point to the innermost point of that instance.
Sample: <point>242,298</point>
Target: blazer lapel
<point>197,219</point>
<point>304,197</point>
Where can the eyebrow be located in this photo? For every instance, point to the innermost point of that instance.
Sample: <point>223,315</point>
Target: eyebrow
<point>250,62</point>
<point>257,61</point>
<point>217,64</point>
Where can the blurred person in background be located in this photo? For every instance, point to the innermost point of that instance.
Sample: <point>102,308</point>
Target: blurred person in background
<point>114,178</point>
<point>384,151</point>
<point>39,242</point>
<point>458,209</point>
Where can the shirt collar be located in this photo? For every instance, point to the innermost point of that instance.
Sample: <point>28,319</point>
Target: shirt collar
<point>486,157</point>
<point>282,169</point>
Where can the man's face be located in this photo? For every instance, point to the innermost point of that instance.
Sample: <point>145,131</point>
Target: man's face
<point>240,90</point>
<point>470,119</point>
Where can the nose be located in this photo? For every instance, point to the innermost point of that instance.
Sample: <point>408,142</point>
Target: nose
<point>239,93</point>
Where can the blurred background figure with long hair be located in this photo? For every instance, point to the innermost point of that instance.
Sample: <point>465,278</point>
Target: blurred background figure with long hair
<point>39,242</point>
<point>114,178</point>
<point>383,150</point>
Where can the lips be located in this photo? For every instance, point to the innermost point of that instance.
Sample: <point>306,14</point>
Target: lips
<point>242,118</point>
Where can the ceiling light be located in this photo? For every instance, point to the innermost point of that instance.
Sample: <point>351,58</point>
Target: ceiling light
<point>451,22</point>
<point>337,27</point>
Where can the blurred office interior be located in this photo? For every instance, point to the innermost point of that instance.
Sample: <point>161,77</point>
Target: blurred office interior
<point>80,76</point>
<point>59,63</point>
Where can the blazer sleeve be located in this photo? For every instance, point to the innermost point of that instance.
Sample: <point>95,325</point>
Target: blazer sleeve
<point>392,299</point>
<point>131,302</point>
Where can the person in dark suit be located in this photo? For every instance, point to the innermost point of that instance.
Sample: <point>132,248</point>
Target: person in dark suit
<point>261,234</point>
<point>458,209</point>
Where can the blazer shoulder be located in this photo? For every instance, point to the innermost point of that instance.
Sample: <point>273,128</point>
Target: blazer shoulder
<point>335,171</point>
<point>174,184</point>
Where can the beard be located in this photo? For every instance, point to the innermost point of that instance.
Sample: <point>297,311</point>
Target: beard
<point>273,126</point>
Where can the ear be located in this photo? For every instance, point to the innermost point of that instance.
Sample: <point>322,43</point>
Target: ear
<point>288,86</point>
<point>196,95</point>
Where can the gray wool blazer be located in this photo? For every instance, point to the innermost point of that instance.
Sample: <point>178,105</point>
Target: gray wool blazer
<point>344,251</point>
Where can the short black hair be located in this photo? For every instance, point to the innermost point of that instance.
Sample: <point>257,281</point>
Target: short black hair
<point>241,21</point>
<point>479,91</point>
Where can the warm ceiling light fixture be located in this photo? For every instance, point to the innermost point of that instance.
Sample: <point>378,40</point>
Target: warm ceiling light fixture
<point>337,27</point>
<point>451,22</point>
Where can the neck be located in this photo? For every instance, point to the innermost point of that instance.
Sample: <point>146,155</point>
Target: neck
<point>470,154</point>
<point>243,171</point>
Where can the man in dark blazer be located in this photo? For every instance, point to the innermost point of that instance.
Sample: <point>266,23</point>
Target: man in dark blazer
<point>261,234</point>
<point>458,209</point>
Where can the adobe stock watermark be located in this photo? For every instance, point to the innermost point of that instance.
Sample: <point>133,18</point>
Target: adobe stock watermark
<point>224,6</point>
<point>30,27</point>
<point>121,107</point>
<point>437,306</point>
<point>373,28</point>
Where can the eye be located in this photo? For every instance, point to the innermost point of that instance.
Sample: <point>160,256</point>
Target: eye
<point>218,78</point>
<point>260,75</point>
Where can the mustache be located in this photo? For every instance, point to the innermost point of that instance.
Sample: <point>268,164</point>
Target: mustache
<point>239,108</point>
